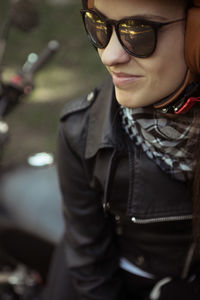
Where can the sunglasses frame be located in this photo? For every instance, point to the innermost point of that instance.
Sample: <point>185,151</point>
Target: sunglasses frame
<point>110,23</point>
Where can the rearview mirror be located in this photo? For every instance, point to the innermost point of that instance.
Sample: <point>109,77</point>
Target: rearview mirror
<point>24,14</point>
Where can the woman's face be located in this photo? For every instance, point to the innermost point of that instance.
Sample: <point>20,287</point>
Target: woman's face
<point>144,81</point>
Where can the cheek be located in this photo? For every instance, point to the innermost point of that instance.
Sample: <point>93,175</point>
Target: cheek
<point>166,69</point>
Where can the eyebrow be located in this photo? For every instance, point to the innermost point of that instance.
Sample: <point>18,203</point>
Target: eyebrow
<point>149,17</point>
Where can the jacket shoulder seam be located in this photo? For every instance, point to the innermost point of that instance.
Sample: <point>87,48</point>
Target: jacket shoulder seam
<point>78,104</point>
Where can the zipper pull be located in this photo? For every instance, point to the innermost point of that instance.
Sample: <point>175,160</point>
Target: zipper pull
<point>156,291</point>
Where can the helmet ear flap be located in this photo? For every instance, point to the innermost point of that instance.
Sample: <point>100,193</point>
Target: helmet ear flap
<point>192,39</point>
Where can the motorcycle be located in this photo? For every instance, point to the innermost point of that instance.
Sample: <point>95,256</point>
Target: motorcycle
<point>31,222</point>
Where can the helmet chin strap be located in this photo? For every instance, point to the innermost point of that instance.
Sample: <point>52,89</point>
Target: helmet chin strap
<point>189,78</point>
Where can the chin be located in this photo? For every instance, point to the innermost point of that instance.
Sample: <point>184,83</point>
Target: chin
<point>128,99</point>
<point>136,99</point>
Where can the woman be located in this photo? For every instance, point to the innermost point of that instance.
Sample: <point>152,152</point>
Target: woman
<point>127,155</point>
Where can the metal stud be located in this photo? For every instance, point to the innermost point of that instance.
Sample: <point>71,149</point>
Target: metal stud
<point>90,96</point>
<point>164,110</point>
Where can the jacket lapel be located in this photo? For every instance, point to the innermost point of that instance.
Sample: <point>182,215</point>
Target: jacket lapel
<point>103,121</point>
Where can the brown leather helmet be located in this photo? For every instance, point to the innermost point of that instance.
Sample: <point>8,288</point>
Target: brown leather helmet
<point>192,49</point>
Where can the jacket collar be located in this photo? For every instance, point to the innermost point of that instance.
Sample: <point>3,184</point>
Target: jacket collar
<point>104,123</point>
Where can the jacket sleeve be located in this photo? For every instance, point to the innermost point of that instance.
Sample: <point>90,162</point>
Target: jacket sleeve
<point>90,240</point>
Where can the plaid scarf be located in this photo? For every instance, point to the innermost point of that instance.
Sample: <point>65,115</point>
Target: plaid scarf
<point>165,140</point>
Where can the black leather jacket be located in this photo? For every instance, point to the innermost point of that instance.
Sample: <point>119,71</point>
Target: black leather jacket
<point>109,185</point>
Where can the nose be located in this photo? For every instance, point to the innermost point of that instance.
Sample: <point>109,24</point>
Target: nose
<point>114,53</point>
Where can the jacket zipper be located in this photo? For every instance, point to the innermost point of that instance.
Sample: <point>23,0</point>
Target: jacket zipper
<point>162,219</point>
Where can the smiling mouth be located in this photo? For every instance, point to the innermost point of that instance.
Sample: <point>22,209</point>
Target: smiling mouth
<point>123,79</point>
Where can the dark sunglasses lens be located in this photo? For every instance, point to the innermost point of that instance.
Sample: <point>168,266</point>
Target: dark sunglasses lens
<point>96,29</point>
<point>139,39</point>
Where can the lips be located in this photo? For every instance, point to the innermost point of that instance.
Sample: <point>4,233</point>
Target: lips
<point>122,79</point>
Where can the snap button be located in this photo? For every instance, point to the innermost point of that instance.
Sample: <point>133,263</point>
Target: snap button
<point>139,260</point>
<point>90,96</point>
<point>117,218</point>
<point>133,219</point>
<point>106,206</point>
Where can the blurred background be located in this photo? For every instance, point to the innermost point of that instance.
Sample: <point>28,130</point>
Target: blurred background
<point>72,72</point>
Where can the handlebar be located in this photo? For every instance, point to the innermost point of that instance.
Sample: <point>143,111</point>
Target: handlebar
<point>22,83</point>
<point>33,64</point>
<point>43,58</point>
